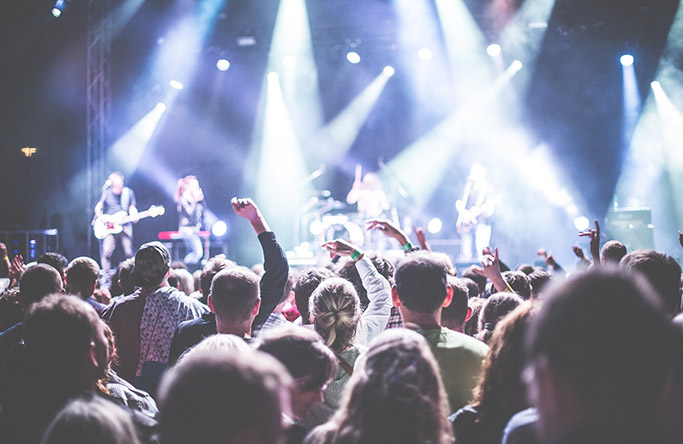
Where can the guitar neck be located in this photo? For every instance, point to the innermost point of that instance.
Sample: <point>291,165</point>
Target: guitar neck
<point>141,215</point>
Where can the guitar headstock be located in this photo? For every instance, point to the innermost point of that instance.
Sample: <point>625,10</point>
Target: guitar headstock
<point>156,210</point>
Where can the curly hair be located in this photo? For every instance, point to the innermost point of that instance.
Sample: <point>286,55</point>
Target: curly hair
<point>335,309</point>
<point>395,396</point>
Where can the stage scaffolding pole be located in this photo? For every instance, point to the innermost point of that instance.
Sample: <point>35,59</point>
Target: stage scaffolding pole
<point>98,99</point>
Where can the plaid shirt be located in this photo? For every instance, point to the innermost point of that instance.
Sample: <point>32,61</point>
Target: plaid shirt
<point>395,320</point>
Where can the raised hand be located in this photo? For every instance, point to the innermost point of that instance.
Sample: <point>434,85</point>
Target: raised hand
<point>578,251</point>
<point>16,268</point>
<point>547,257</point>
<point>490,268</point>
<point>247,209</point>
<point>340,247</point>
<point>388,228</point>
<point>594,236</point>
<point>421,236</point>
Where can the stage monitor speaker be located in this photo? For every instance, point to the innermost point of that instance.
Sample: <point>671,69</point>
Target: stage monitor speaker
<point>31,244</point>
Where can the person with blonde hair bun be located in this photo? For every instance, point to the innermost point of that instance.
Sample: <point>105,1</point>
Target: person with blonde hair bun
<point>335,311</point>
<point>395,396</point>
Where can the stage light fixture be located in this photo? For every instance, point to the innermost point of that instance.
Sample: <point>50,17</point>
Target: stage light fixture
<point>424,53</point>
<point>434,225</point>
<point>626,60</point>
<point>581,223</point>
<point>656,85</point>
<point>161,107</point>
<point>58,8</point>
<point>176,85</point>
<point>389,71</point>
<point>223,64</point>
<point>219,228</point>
<point>493,49</point>
<point>516,66</point>
<point>289,61</point>
<point>353,57</point>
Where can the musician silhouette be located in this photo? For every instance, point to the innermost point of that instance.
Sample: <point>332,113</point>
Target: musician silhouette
<point>117,202</point>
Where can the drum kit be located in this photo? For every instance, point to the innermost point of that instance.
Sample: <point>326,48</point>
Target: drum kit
<point>324,218</point>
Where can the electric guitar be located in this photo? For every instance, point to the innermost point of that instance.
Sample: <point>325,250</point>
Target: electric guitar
<point>113,223</point>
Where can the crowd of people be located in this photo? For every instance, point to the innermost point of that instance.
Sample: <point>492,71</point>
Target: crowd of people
<point>356,350</point>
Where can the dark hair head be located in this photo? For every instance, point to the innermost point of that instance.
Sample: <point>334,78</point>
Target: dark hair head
<point>661,271</point>
<point>302,352</point>
<point>612,252</point>
<point>178,265</point>
<point>525,268</point>
<point>335,309</point>
<point>538,280</point>
<point>420,279</point>
<point>234,293</point>
<point>472,325</point>
<point>58,331</point>
<point>123,276</point>
<point>212,267</point>
<point>91,419</point>
<point>81,274</point>
<point>54,259</point>
<point>496,307</point>
<point>607,337</point>
<point>456,312</point>
<point>519,282</point>
<point>472,287</point>
<point>37,282</point>
<point>304,287</point>
<point>223,398</point>
<point>348,271</point>
<point>476,277</point>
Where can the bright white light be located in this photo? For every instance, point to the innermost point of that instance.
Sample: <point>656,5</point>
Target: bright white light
<point>656,85</point>
<point>56,12</point>
<point>223,64</point>
<point>272,76</point>
<point>581,223</point>
<point>317,227</point>
<point>425,53</point>
<point>289,61</point>
<point>434,225</point>
<point>626,60</point>
<point>353,57</point>
<point>389,71</point>
<point>176,84</point>
<point>493,49</point>
<point>516,66</point>
<point>219,228</point>
<point>161,107</point>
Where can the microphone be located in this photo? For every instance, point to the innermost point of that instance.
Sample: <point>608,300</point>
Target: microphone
<point>107,184</point>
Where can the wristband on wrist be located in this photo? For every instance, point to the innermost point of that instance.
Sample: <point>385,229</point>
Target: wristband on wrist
<point>408,246</point>
<point>6,258</point>
<point>356,254</point>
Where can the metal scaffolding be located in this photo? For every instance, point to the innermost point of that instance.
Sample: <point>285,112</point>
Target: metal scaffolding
<point>98,101</point>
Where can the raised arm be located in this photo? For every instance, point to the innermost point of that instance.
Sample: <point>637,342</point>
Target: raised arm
<point>275,262</point>
<point>594,236</point>
<point>376,315</point>
<point>490,268</point>
<point>391,231</point>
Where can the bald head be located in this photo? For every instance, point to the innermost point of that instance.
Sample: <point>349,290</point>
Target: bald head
<point>37,282</point>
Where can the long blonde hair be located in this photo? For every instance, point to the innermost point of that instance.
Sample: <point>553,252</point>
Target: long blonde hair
<point>335,309</point>
<point>395,396</point>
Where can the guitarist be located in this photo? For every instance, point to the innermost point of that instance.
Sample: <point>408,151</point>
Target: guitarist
<point>116,198</point>
<point>474,207</point>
